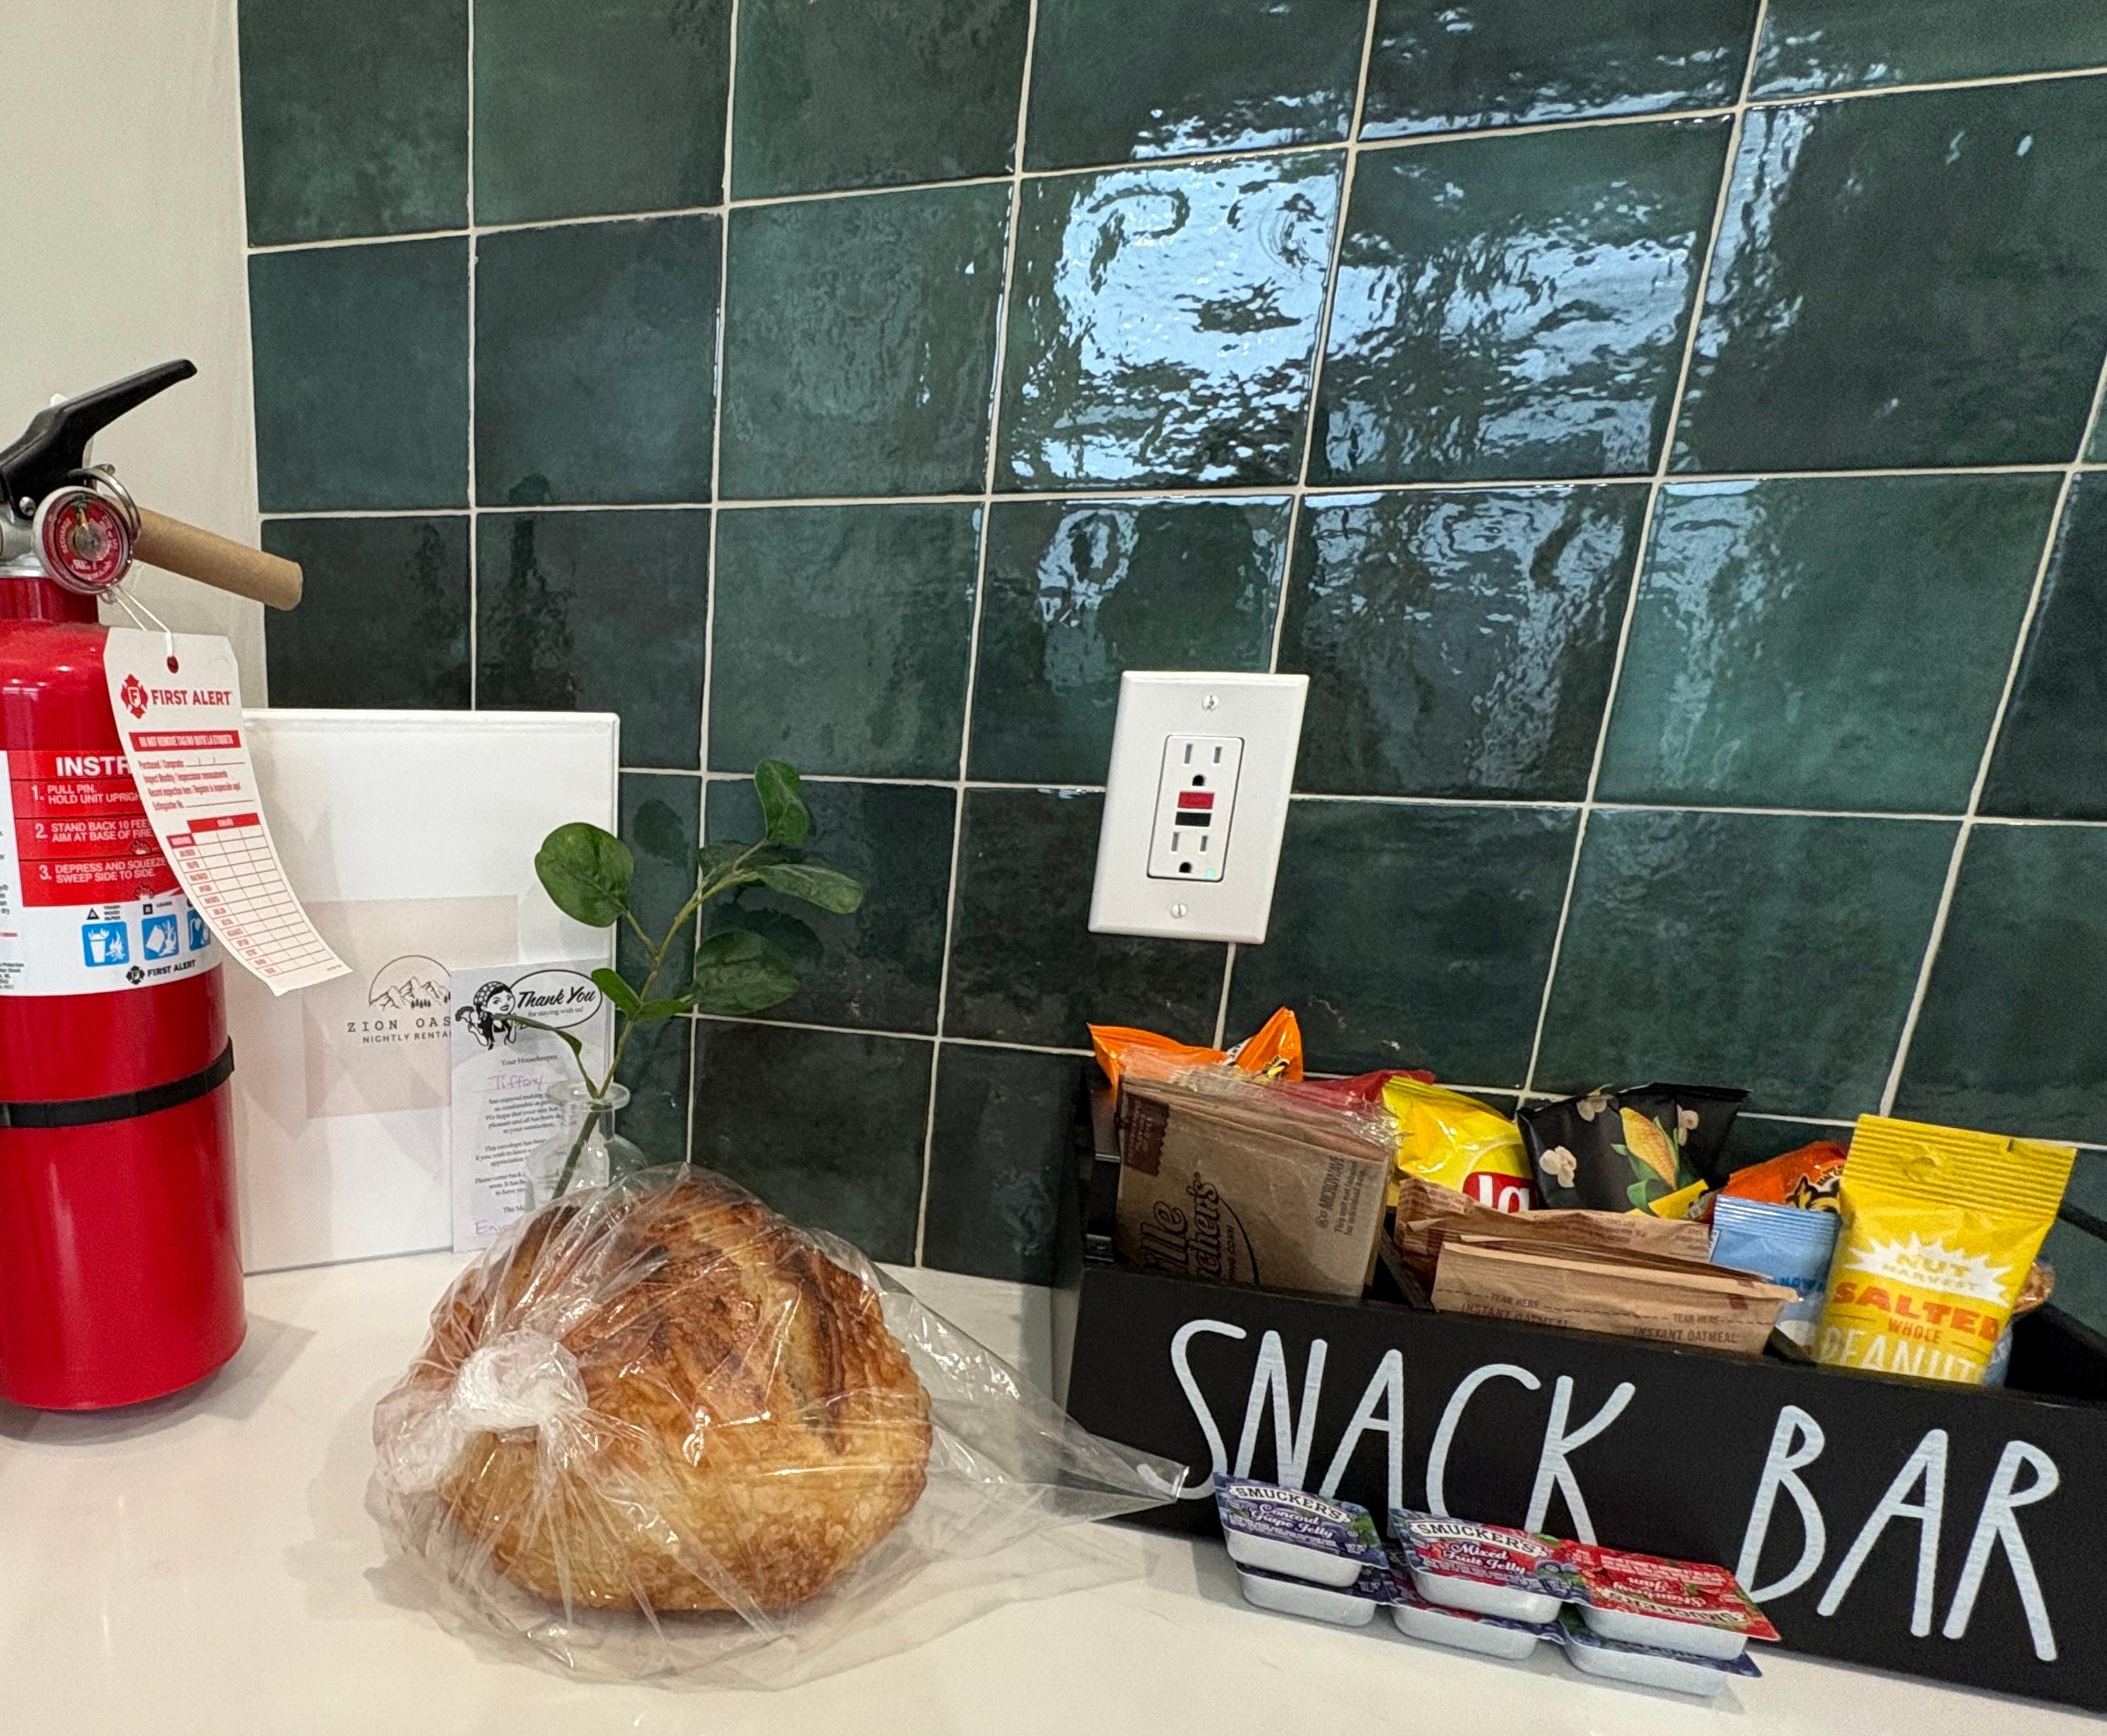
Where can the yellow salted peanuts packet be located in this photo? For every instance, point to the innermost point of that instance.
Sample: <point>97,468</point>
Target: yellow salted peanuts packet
<point>1940,1227</point>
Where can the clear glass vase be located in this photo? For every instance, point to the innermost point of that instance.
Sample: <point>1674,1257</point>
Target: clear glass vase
<point>585,1149</point>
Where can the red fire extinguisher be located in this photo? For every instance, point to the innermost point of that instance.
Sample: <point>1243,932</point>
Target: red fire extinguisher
<point>120,1273</point>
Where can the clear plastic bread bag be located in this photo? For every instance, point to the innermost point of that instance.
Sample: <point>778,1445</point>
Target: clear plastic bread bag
<point>659,1432</point>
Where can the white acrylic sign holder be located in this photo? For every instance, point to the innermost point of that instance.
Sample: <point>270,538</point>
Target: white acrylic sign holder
<point>386,817</point>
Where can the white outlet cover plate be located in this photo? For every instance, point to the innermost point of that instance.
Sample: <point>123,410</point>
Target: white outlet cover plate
<point>1132,895</point>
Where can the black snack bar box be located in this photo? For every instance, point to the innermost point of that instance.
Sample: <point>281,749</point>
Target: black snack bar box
<point>1954,1532</point>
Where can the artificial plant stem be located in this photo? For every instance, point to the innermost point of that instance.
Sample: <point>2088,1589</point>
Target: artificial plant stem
<point>702,896</point>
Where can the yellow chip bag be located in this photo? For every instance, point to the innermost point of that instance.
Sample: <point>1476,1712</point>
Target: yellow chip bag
<point>1444,1136</point>
<point>1940,1227</point>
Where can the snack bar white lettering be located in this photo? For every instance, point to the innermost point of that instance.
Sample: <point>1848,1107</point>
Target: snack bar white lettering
<point>1553,1468</point>
<point>1996,1524</point>
<point>178,705</point>
<point>1926,1465</point>
<point>1291,1439</point>
<point>1796,1442</point>
<point>1181,1365</point>
<point>1386,1388</point>
<point>1452,1414</point>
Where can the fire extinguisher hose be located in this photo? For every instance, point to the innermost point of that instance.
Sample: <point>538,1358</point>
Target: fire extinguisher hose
<point>122,1105</point>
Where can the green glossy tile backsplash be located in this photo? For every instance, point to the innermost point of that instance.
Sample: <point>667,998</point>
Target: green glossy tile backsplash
<point>1665,434</point>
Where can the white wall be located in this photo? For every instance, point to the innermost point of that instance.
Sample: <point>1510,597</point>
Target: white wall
<point>123,246</point>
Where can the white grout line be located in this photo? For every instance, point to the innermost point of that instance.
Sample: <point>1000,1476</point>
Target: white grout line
<point>1968,820</point>
<point>717,462</point>
<point>1199,159</point>
<point>1301,490</point>
<point>1222,1006</point>
<point>474,553</point>
<point>1005,303</point>
<point>1116,496</point>
<point>1503,803</point>
<point>1708,248</point>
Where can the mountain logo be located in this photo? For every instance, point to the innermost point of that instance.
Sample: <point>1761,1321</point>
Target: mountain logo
<point>411,983</point>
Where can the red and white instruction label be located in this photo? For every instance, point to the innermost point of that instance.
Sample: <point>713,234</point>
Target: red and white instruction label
<point>179,709</point>
<point>88,904</point>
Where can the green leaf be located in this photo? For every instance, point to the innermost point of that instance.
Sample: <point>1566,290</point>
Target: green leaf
<point>782,806</point>
<point>659,834</point>
<point>737,971</point>
<point>617,991</point>
<point>714,858</point>
<point>586,873</point>
<point>828,888</point>
<point>800,945</point>
<point>576,1047</point>
<point>670,1008</point>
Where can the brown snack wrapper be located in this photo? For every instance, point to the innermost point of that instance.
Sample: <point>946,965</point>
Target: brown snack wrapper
<point>1427,1211</point>
<point>1632,1295</point>
<point>1238,1187</point>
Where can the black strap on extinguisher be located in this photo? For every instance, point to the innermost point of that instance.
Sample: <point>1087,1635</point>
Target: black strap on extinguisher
<point>122,1105</point>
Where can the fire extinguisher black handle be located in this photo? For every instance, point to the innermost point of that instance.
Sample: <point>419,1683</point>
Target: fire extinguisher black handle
<point>55,444</point>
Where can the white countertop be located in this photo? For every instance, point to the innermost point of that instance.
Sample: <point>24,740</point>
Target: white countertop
<point>206,1564</point>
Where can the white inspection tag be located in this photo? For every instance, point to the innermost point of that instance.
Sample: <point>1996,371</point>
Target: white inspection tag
<point>177,703</point>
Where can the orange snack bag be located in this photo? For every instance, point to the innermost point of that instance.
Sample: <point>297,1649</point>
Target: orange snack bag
<point>1806,1178</point>
<point>1274,1049</point>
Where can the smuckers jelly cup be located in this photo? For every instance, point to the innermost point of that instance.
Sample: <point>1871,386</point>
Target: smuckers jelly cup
<point>1344,1606</point>
<point>1466,1630</point>
<point>1305,1536</point>
<point>1693,1608</point>
<point>1492,1570</point>
<point>1645,1666</point>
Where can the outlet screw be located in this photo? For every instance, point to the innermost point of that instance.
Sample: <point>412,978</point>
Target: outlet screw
<point>1178,910</point>
<point>1211,701</point>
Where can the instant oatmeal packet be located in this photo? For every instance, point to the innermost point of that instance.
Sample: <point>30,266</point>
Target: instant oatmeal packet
<point>1940,1227</point>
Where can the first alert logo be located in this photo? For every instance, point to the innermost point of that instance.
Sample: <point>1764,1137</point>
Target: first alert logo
<point>133,694</point>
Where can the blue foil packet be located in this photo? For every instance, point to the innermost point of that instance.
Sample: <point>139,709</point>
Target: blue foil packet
<point>1784,1243</point>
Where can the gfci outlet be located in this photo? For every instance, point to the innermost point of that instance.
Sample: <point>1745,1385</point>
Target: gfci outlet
<point>1195,801</point>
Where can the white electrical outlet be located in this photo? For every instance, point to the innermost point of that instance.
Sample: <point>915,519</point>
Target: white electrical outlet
<point>1195,801</point>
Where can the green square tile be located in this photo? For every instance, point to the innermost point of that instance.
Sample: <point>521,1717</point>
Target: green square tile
<point>842,634</point>
<point>1443,66</point>
<point>1776,953</point>
<point>2079,1261</point>
<point>361,376</point>
<point>597,612</point>
<point>878,969</point>
<point>594,362</point>
<point>1113,81</point>
<point>1516,306</point>
<point>1079,591</point>
<point>2051,757</point>
<point>1838,643</point>
<point>582,112</point>
<point>1919,279</point>
<point>1753,1139</point>
<point>1458,644</point>
<point>853,93</point>
<point>1164,324</point>
<point>827,1127</point>
<point>658,1071</point>
<point>1001,1152</point>
<point>354,119</point>
<point>1025,966</point>
<point>859,343</point>
<point>384,621</point>
<point>661,823</point>
<point>1842,45</point>
<point>2013,1036</point>
<point>1431,953</point>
